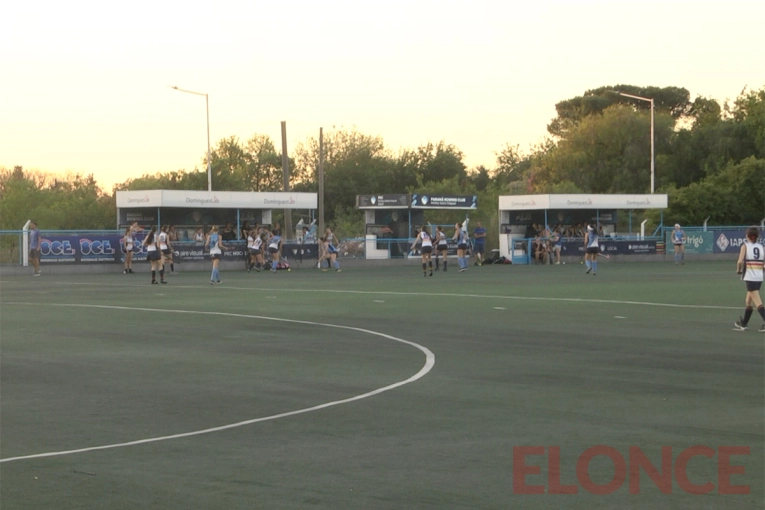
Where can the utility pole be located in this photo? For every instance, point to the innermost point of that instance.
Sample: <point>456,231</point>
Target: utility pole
<point>287,233</point>
<point>321,182</point>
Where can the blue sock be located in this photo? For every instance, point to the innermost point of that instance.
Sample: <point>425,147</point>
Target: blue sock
<point>212,275</point>
<point>589,264</point>
<point>337,264</point>
<point>594,266</point>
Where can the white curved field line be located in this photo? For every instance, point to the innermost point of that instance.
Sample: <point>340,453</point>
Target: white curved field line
<point>430,361</point>
<point>438,294</point>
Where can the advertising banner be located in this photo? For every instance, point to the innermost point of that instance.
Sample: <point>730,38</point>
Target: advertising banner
<point>575,247</point>
<point>730,241</point>
<point>300,252</point>
<point>566,218</point>
<point>382,201</point>
<point>106,248</point>
<point>216,199</point>
<point>84,248</point>
<point>695,242</point>
<point>444,202</point>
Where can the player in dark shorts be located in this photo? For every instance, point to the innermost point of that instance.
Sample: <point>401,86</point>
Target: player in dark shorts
<point>153,254</point>
<point>591,250</point>
<point>751,259</point>
<point>442,246</point>
<point>166,248</point>
<point>425,250</point>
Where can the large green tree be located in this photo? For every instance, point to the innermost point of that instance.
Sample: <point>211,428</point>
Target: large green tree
<point>735,196</point>
<point>671,100</point>
<point>354,164</point>
<point>605,153</point>
<point>428,163</point>
<point>57,203</point>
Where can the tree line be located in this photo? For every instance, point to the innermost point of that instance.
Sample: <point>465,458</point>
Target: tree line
<point>709,158</point>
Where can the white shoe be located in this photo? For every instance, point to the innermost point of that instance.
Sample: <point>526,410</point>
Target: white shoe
<point>738,326</point>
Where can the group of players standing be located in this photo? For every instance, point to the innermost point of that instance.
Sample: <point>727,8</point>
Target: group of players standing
<point>256,239</point>
<point>159,252</point>
<point>439,243</point>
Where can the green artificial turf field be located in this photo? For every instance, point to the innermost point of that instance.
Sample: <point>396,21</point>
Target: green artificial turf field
<point>374,388</point>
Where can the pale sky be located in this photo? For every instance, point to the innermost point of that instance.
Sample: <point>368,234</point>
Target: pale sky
<point>84,85</point>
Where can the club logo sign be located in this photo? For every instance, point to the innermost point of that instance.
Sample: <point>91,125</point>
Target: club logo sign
<point>722,242</point>
<point>373,200</point>
<point>444,201</point>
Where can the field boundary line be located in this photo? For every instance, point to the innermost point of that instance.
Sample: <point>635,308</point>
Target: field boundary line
<point>442,294</point>
<point>430,361</point>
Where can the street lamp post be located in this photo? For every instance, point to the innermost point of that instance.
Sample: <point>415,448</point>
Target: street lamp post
<point>653,159</point>
<point>207,107</point>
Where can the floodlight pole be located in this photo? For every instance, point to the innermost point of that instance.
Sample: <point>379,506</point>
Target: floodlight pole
<point>207,108</point>
<point>653,158</point>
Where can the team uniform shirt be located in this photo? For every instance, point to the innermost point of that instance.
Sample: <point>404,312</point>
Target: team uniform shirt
<point>753,262</point>
<point>427,243</point>
<point>592,242</point>
<point>257,244</point>
<point>273,245</point>
<point>677,236</point>
<point>442,244</point>
<point>163,242</point>
<point>214,248</point>
<point>128,243</point>
<point>461,239</point>
<point>152,253</point>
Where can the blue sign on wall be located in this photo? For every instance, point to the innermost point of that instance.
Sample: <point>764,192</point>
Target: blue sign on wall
<point>730,241</point>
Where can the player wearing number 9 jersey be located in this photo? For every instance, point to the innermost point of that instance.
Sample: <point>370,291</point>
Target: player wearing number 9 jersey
<point>751,259</point>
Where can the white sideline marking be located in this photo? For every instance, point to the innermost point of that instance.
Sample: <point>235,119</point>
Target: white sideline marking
<point>619,317</point>
<point>430,361</point>
<point>499,308</point>
<point>379,301</point>
<point>439,294</point>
